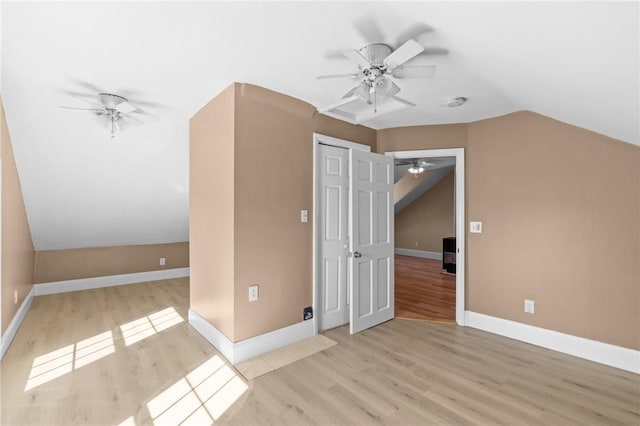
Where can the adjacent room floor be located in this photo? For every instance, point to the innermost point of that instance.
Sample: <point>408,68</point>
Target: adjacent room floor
<point>126,356</point>
<point>423,291</point>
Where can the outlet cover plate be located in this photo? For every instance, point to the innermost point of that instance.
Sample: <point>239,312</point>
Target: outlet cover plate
<point>529,306</point>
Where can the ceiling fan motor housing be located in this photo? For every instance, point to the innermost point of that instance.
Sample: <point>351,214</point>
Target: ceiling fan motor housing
<point>376,53</point>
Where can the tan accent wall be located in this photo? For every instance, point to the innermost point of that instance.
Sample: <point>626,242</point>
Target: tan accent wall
<point>17,245</point>
<point>263,179</point>
<point>274,140</point>
<point>560,208</point>
<point>422,137</point>
<point>71,264</point>
<point>423,223</point>
<point>211,211</point>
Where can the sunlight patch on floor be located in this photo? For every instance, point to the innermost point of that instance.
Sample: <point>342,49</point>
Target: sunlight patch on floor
<point>149,325</point>
<point>199,398</point>
<point>64,360</point>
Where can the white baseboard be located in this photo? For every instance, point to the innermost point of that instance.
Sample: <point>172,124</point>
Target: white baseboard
<point>108,281</point>
<point>419,253</point>
<point>592,350</point>
<point>212,335</point>
<point>250,348</point>
<point>14,325</point>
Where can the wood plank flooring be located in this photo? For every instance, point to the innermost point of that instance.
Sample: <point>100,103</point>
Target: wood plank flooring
<point>134,362</point>
<point>423,291</point>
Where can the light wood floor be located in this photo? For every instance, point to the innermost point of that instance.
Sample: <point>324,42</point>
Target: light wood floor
<point>423,291</point>
<point>401,372</point>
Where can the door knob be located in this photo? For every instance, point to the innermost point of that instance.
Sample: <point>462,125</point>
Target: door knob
<point>357,254</point>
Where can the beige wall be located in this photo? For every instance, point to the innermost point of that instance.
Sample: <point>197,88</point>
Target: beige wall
<point>422,137</point>
<point>560,208</point>
<point>271,154</point>
<point>273,248</point>
<point>211,211</point>
<point>59,265</point>
<point>423,223</point>
<point>17,246</point>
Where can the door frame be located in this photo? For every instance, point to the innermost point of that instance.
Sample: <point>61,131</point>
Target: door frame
<point>319,139</point>
<point>458,153</point>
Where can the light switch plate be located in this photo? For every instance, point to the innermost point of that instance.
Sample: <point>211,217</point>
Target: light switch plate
<point>475,227</point>
<point>253,293</point>
<point>304,216</point>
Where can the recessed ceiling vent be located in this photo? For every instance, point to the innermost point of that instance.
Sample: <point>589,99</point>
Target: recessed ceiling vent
<point>456,102</point>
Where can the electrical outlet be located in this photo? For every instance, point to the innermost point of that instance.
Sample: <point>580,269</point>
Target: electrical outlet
<point>253,293</point>
<point>307,313</point>
<point>304,216</point>
<point>529,306</point>
<point>163,261</point>
<point>416,243</point>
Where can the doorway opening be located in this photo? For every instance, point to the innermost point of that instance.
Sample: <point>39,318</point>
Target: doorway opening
<point>418,266</point>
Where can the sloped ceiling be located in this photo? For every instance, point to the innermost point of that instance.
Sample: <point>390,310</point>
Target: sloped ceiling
<point>575,62</point>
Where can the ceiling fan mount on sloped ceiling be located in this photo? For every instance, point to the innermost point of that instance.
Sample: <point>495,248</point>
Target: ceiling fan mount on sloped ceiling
<point>378,65</point>
<point>113,111</point>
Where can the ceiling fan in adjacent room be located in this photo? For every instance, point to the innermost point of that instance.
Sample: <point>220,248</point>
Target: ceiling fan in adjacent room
<point>417,166</point>
<point>113,111</point>
<point>378,66</point>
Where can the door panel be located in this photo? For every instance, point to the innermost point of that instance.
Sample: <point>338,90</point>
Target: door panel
<point>333,202</point>
<point>371,227</point>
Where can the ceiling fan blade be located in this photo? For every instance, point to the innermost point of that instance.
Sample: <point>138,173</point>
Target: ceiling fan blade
<point>131,120</point>
<point>125,107</point>
<point>84,109</point>
<point>355,56</point>
<point>362,91</point>
<point>418,71</point>
<point>402,54</point>
<point>139,111</point>
<point>351,75</point>
<point>417,31</point>
<point>403,101</point>
<point>369,30</point>
<point>94,104</point>
<point>387,88</point>
<point>338,104</point>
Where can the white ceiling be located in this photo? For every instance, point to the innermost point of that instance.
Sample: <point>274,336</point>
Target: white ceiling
<point>575,62</point>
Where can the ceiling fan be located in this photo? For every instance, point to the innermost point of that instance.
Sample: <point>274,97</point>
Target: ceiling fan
<point>114,111</point>
<point>378,64</point>
<point>418,166</point>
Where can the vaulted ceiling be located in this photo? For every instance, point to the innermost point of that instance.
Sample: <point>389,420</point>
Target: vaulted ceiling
<point>575,62</point>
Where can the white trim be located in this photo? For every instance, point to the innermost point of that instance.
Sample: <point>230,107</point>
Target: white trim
<point>592,350</point>
<point>458,153</point>
<point>254,346</point>
<point>251,348</point>
<point>14,325</point>
<point>212,335</point>
<point>319,138</point>
<point>419,253</point>
<point>107,281</point>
